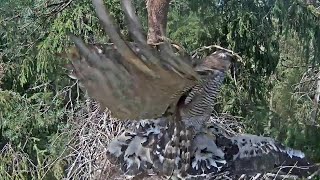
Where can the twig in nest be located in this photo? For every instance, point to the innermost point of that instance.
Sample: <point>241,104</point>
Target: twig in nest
<point>286,176</point>
<point>314,174</point>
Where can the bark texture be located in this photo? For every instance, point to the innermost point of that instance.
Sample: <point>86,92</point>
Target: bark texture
<point>157,19</point>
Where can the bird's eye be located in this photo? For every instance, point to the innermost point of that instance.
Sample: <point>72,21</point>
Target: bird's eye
<point>204,73</point>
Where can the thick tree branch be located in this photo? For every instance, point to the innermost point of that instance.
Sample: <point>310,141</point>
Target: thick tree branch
<point>157,19</point>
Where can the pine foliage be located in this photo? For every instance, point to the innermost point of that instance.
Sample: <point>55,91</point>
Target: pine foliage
<point>272,89</point>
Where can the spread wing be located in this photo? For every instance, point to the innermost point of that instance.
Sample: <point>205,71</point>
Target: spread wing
<point>133,81</point>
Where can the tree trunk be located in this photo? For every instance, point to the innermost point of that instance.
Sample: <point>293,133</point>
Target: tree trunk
<point>314,113</point>
<point>157,19</point>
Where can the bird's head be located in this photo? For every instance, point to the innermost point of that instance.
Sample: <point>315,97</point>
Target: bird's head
<point>220,60</point>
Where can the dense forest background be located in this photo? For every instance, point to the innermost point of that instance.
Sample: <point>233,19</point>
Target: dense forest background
<point>44,125</point>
